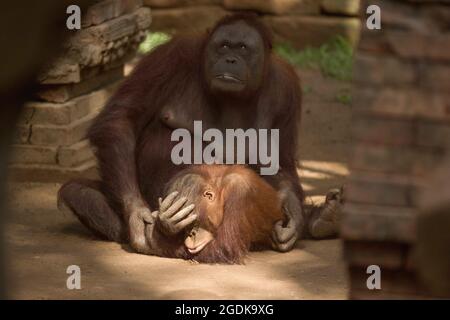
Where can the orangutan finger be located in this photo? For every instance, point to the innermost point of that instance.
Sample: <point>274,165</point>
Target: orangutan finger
<point>180,215</point>
<point>167,202</point>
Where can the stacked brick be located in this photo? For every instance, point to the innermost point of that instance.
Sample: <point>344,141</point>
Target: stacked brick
<point>298,22</point>
<point>401,131</point>
<point>50,142</point>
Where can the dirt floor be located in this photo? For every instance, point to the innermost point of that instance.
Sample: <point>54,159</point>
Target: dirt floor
<point>43,242</point>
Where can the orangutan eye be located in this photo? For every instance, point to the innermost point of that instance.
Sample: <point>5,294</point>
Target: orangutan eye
<point>243,47</point>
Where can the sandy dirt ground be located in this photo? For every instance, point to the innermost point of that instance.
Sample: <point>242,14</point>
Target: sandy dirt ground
<point>43,242</point>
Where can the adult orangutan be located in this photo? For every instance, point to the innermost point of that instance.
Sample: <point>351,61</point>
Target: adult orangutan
<point>227,78</point>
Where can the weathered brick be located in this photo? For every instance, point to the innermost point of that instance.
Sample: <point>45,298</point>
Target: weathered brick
<point>380,158</point>
<point>22,134</point>
<point>383,71</point>
<point>34,154</point>
<point>378,223</point>
<point>75,154</point>
<point>62,93</point>
<point>186,20</point>
<point>399,15</point>
<point>381,189</point>
<point>179,3</point>
<point>52,173</point>
<point>433,134</point>
<point>341,7</point>
<point>61,135</point>
<point>110,40</point>
<point>61,71</point>
<point>284,7</point>
<point>416,161</point>
<point>25,116</point>
<point>303,31</point>
<point>383,130</point>
<point>116,28</point>
<point>424,46</point>
<point>45,113</point>
<point>405,103</point>
<point>375,43</point>
<point>427,161</point>
<point>107,10</point>
<point>436,77</point>
<point>384,254</point>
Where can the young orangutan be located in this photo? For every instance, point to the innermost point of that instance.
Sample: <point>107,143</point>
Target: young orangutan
<point>235,208</point>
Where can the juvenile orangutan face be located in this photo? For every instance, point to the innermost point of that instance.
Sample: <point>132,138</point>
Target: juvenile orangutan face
<point>208,200</point>
<point>210,213</point>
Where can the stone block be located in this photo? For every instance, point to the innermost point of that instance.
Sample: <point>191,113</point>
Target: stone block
<point>62,71</point>
<point>410,45</point>
<point>278,7</point>
<point>61,135</point>
<point>107,10</point>
<point>179,3</point>
<point>52,173</point>
<point>381,189</point>
<point>45,113</point>
<point>63,93</point>
<point>430,134</point>
<point>22,134</point>
<point>89,46</point>
<point>384,159</point>
<point>341,7</point>
<point>33,154</point>
<point>364,222</point>
<point>384,71</point>
<point>386,131</point>
<point>436,78</point>
<point>365,253</point>
<point>303,31</point>
<point>402,103</point>
<point>187,20</point>
<point>75,154</point>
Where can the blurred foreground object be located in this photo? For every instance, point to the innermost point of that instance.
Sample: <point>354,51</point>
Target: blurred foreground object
<point>400,133</point>
<point>31,34</point>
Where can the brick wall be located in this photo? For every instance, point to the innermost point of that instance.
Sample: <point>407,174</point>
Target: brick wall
<point>401,131</point>
<point>298,22</point>
<point>50,142</point>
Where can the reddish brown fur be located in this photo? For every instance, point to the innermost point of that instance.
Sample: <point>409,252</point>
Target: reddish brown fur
<point>249,207</point>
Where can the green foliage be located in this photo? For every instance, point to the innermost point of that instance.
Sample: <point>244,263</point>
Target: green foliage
<point>307,89</point>
<point>334,58</point>
<point>153,40</point>
<point>344,97</point>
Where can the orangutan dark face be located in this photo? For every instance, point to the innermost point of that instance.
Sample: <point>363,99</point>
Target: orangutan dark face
<point>234,59</point>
